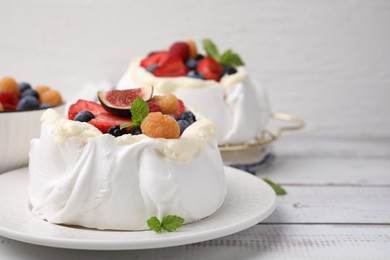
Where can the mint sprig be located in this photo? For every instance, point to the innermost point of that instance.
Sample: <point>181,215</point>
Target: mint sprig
<point>227,59</point>
<point>169,223</point>
<point>139,110</point>
<point>276,187</point>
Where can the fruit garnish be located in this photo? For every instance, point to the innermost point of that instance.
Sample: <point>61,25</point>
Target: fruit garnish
<point>193,50</point>
<point>181,107</point>
<point>180,49</point>
<point>228,58</point>
<point>84,116</point>
<point>168,103</point>
<point>157,58</point>
<point>173,67</point>
<point>119,102</point>
<point>81,105</point>
<point>169,223</point>
<point>139,110</point>
<point>183,124</point>
<point>116,131</point>
<point>106,120</point>
<point>8,84</point>
<point>23,86</point>
<point>210,68</point>
<point>153,107</point>
<point>157,125</point>
<point>28,103</point>
<point>9,100</point>
<point>51,97</point>
<point>188,116</point>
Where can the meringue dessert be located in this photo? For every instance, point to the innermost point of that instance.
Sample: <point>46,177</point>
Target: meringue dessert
<point>217,85</point>
<point>99,170</point>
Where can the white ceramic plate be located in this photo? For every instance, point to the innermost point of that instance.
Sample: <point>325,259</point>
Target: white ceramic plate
<point>249,200</point>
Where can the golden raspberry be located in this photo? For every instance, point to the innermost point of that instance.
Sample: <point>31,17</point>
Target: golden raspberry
<point>51,97</point>
<point>157,125</point>
<point>193,50</point>
<point>168,103</point>
<point>41,89</point>
<point>9,84</point>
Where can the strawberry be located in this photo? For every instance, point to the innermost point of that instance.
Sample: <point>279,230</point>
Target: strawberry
<point>180,49</point>
<point>156,58</point>
<point>9,100</point>
<point>105,121</point>
<point>81,105</point>
<point>173,67</point>
<point>210,68</point>
<point>181,107</point>
<point>153,107</point>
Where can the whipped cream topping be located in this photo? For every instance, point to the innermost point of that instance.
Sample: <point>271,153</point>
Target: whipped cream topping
<point>79,176</point>
<point>237,107</point>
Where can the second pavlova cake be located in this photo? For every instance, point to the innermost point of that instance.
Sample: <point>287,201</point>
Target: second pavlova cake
<point>117,164</point>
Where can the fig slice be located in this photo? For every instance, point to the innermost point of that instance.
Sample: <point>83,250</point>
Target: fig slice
<point>118,102</point>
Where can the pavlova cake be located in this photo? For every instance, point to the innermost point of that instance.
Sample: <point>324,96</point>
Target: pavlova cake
<point>123,163</point>
<point>216,84</point>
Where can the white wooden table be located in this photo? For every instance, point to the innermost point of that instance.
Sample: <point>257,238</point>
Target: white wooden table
<point>337,207</point>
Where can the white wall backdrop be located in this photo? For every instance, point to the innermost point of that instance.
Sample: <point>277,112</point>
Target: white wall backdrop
<point>327,61</point>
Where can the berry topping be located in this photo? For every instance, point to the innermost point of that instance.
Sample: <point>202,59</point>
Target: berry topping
<point>173,67</point>
<point>105,121</point>
<point>157,125</point>
<point>210,68</point>
<point>168,103</point>
<point>135,131</point>
<point>81,105</point>
<point>157,58</point>
<point>30,92</point>
<point>9,100</point>
<point>153,107</point>
<point>152,68</point>
<point>24,86</point>
<point>188,116</point>
<point>183,124</point>
<point>8,84</point>
<point>196,75</point>
<point>118,102</point>
<point>51,97</point>
<point>230,70</point>
<point>41,89</point>
<point>191,64</point>
<point>180,49</point>
<point>193,50</point>
<point>84,116</point>
<point>181,107</point>
<point>27,103</point>
<point>116,131</point>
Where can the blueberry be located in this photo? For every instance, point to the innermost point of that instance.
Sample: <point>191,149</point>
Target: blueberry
<point>24,86</point>
<point>116,131</point>
<point>183,125</point>
<point>188,116</point>
<point>135,131</point>
<point>191,64</point>
<point>194,74</point>
<point>174,116</point>
<point>44,105</point>
<point>199,57</point>
<point>30,92</point>
<point>28,102</point>
<point>230,70</point>
<point>84,116</point>
<point>152,68</point>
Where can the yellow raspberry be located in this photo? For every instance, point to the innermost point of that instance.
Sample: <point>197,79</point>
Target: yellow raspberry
<point>168,103</point>
<point>8,84</point>
<point>51,97</point>
<point>157,125</point>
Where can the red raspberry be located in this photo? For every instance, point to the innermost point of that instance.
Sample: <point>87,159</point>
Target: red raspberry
<point>153,107</point>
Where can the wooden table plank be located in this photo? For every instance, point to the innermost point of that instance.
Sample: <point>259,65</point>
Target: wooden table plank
<point>333,204</point>
<point>328,171</point>
<point>264,241</point>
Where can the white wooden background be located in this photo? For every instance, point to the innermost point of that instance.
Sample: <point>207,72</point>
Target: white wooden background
<point>327,61</point>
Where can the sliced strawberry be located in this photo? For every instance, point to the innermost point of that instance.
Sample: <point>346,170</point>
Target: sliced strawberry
<point>210,68</point>
<point>181,107</point>
<point>157,58</point>
<point>105,121</point>
<point>153,107</point>
<point>180,49</point>
<point>173,67</point>
<point>9,100</point>
<point>81,105</point>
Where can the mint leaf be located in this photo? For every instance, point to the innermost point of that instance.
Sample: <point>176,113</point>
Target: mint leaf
<point>154,224</point>
<point>139,110</point>
<point>230,58</point>
<point>276,187</point>
<point>211,49</point>
<point>172,222</point>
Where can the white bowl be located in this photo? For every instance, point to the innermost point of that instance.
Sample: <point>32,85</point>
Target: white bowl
<point>17,128</point>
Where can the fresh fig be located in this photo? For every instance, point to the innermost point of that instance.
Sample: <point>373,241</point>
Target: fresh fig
<point>118,102</point>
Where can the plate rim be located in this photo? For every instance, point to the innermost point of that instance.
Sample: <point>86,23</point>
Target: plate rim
<point>159,242</point>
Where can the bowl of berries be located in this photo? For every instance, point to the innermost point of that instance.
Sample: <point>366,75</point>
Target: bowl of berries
<point>21,107</point>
